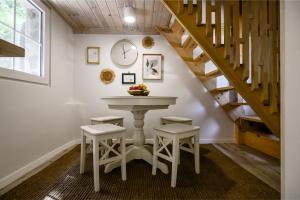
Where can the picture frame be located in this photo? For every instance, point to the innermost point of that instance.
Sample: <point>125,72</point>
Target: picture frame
<point>152,66</point>
<point>128,78</point>
<point>93,55</point>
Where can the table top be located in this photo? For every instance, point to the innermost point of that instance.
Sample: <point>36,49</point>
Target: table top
<point>139,100</point>
<point>138,97</point>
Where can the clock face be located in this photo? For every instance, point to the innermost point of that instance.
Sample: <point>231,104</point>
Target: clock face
<point>124,53</point>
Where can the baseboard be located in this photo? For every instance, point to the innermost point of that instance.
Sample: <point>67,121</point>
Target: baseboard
<point>12,180</point>
<point>210,141</point>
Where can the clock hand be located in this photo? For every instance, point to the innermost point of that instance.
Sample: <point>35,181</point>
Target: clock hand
<point>124,51</point>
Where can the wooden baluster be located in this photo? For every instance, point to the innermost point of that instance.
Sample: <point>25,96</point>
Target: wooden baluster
<point>264,63</point>
<point>218,22</point>
<point>245,32</point>
<point>273,58</point>
<point>236,33</point>
<point>180,6</point>
<point>199,13</point>
<point>190,7</point>
<point>278,48</point>
<point>254,42</point>
<point>208,18</point>
<point>226,29</point>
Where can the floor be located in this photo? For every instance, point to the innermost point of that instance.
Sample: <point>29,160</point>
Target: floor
<point>220,178</point>
<point>265,167</point>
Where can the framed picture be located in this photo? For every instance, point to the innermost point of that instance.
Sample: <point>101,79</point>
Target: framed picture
<point>93,55</point>
<point>152,66</point>
<point>128,78</point>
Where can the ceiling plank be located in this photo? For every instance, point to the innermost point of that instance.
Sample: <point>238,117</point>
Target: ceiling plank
<point>106,16</point>
<point>156,13</point>
<point>139,6</point>
<point>73,11</point>
<point>106,13</point>
<point>113,9</point>
<point>149,6</point>
<point>87,20</point>
<point>62,12</point>
<point>114,31</point>
<point>88,13</point>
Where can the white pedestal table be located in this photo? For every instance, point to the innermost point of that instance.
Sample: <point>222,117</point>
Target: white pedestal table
<point>138,106</point>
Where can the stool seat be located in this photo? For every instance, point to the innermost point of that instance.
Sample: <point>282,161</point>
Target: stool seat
<point>101,129</point>
<point>177,119</point>
<point>177,128</point>
<point>106,118</point>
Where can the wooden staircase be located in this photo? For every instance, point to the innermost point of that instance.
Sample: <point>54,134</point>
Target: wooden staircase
<point>242,39</point>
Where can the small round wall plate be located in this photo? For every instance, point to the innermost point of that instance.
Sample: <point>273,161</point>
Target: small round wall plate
<point>107,76</point>
<point>148,42</point>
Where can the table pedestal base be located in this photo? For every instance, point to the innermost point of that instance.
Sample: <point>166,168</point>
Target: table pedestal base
<point>137,152</point>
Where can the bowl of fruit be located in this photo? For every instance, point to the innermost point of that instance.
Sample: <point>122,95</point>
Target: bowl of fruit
<point>138,90</point>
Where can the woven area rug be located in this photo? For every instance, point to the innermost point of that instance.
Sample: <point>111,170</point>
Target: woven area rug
<point>220,178</point>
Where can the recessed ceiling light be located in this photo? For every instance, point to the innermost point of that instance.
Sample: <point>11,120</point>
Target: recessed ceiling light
<point>129,16</point>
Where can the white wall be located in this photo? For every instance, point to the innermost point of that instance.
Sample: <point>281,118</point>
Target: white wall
<point>35,119</point>
<point>290,83</point>
<point>193,101</point>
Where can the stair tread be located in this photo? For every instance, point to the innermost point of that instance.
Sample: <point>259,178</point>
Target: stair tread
<point>221,89</point>
<point>237,103</point>
<point>225,88</point>
<point>210,75</point>
<point>251,118</point>
<point>232,105</point>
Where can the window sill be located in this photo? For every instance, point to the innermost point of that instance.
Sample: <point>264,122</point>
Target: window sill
<point>21,76</point>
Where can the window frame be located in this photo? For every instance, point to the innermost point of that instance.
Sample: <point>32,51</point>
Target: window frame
<point>44,77</point>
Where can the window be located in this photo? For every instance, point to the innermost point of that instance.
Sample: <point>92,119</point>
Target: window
<point>22,22</point>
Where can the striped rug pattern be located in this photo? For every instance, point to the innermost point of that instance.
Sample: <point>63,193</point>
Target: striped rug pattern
<point>220,178</point>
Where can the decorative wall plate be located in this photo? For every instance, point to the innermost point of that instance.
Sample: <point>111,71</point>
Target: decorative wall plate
<point>148,42</point>
<point>107,76</point>
<point>124,53</point>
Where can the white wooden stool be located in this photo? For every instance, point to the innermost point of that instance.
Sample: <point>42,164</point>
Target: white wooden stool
<point>116,120</point>
<point>180,120</point>
<point>99,135</point>
<point>172,134</point>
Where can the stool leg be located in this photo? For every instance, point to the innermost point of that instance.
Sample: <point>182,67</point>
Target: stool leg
<point>191,146</point>
<point>178,159</point>
<point>154,163</point>
<point>123,161</point>
<point>82,152</point>
<point>196,153</point>
<point>96,164</point>
<point>174,161</point>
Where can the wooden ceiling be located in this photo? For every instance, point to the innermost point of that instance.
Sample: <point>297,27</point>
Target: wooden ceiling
<point>106,16</point>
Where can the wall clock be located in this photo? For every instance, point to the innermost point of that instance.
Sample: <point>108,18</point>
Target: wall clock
<point>124,53</point>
